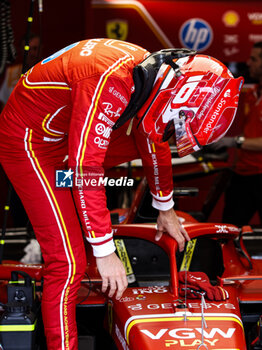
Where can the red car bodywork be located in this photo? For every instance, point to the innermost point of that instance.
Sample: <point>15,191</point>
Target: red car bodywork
<point>152,316</point>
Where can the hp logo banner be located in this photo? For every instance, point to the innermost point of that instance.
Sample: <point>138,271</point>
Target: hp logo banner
<point>196,34</point>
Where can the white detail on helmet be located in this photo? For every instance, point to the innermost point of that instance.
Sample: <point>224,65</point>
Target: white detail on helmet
<point>161,72</point>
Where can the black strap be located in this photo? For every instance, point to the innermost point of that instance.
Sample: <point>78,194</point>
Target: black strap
<point>144,75</point>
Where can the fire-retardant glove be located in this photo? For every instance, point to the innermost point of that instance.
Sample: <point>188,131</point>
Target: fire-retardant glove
<point>198,283</point>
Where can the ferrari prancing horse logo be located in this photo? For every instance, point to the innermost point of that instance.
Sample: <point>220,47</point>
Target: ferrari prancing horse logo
<point>117,29</point>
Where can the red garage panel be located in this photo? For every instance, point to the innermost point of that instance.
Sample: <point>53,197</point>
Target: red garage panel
<point>224,29</point>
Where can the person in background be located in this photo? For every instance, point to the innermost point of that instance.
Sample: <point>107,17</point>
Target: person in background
<point>243,196</point>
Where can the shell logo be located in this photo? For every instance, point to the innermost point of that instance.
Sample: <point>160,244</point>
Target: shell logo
<point>230,19</point>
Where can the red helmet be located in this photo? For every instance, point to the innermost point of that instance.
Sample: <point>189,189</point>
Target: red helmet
<point>197,101</point>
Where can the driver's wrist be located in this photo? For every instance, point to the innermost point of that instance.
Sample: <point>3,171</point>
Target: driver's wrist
<point>239,141</point>
<point>163,206</point>
<point>167,212</point>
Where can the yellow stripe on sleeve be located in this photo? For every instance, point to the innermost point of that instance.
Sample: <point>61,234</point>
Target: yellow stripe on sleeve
<point>46,86</point>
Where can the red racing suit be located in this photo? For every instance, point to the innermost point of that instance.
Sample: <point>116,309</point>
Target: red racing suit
<point>66,105</point>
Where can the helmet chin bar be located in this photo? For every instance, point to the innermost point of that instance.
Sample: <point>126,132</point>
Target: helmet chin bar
<point>144,75</point>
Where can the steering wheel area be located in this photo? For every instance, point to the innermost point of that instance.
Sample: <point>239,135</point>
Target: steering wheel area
<point>134,235</point>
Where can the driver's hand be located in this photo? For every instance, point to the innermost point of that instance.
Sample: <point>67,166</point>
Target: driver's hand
<point>113,275</point>
<point>168,221</point>
<point>225,142</point>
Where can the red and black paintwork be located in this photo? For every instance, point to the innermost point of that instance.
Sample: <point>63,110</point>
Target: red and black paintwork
<point>152,315</point>
<point>152,318</point>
